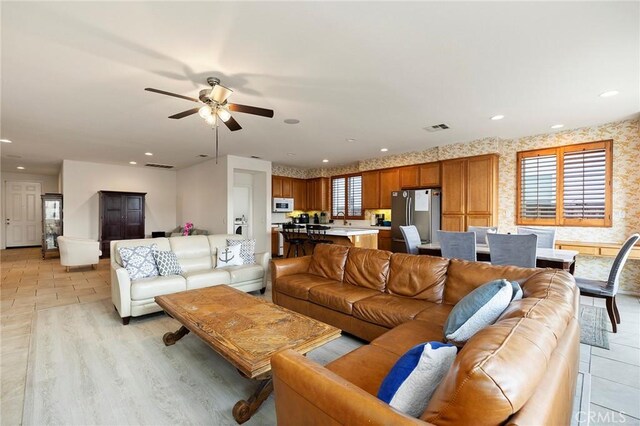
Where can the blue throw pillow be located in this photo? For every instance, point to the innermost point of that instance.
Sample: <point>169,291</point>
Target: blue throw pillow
<point>477,310</point>
<point>517,291</point>
<point>416,375</point>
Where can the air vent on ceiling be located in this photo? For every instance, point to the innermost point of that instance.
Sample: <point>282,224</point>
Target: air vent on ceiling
<point>159,166</point>
<point>256,157</point>
<point>436,128</point>
<point>13,156</point>
<point>203,155</point>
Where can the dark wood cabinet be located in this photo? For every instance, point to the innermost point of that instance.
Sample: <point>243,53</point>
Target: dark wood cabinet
<point>389,181</point>
<point>299,194</point>
<point>121,217</point>
<point>384,240</point>
<point>409,177</point>
<point>371,190</point>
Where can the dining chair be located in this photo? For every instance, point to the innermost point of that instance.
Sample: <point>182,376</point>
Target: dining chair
<point>481,232</point>
<point>546,236</point>
<point>515,250</point>
<point>458,245</point>
<point>293,236</point>
<point>608,289</point>
<point>317,234</point>
<point>411,238</point>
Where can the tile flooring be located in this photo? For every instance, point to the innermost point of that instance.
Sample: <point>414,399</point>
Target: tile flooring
<point>29,283</point>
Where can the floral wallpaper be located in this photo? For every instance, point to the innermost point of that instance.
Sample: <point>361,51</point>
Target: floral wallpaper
<point>626,183</point>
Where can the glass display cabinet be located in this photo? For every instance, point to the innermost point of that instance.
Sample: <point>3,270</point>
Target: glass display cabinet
<point>51,222</point>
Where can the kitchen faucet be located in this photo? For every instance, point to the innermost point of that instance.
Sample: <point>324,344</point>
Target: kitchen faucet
<point>344,218</point>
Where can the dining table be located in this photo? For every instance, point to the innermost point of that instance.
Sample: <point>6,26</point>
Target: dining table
<point>545,257</point>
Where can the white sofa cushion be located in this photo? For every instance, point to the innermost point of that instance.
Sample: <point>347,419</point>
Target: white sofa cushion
<point>193,252</point>
<point>201,279</point>
<point>245,273</point>
<point>147,288</point>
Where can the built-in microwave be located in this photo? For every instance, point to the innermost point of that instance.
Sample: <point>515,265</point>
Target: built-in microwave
<point>282,205</point>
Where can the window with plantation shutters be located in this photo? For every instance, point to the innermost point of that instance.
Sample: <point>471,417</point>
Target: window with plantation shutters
<point>565,186</point>
<point>346,197</point>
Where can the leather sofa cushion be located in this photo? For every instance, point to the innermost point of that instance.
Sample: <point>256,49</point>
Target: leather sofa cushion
<point>245,273</point>
<point>365,367</point>
<point>464,277</point>
<point>400,339</point>
<point>328,261</point>
<point>193,252</point>
<point>388,311</point>
<point>367,268</point>
<point>201,279</point>
<point>418,277</point>
<point>339,297</point>
<point>435,314</point>
<point>147,288</point>
<point>298,285</point>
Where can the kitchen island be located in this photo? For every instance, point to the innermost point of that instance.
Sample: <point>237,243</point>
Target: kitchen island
<point>352,237</point>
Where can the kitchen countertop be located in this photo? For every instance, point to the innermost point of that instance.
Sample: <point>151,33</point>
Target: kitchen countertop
<point>347,231</point>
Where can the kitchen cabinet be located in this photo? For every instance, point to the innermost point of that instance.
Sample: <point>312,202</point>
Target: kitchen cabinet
<point>299,190</point>
<point>275,235</point>
<point>384,240</point>
<point>429,175</point>
<point>469,192</point>
<point>409,177</point>
<point>318,190</point>
<point>389,181</point>
<point>371,190</point>
<point>287,187</point>
<point>276,186</point>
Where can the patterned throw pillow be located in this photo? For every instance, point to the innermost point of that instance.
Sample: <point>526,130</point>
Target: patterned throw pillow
<point>139,261</point>
<point>247,250</point>
<point>411,382</point>
<point>228,256</point>
<point>167,262</point>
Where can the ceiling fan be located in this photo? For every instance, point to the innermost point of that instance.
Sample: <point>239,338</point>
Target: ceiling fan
<point>215,106</point>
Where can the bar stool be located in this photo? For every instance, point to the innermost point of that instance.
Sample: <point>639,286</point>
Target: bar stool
<point>293,236</point>
<point>317,234</point>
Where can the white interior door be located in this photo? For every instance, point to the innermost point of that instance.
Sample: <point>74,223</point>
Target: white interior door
<point>23,217</point>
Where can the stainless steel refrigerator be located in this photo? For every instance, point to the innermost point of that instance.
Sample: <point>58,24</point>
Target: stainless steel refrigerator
<point>419,207</point>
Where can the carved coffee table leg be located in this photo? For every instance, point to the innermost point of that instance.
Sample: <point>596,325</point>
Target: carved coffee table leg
<point>171,338</point>
<point>243,410</point>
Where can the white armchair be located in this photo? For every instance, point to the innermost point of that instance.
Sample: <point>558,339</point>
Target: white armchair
<point>78,252</point>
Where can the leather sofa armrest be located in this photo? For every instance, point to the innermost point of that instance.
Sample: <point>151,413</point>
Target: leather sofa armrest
<point>121,290</point>
<point>307,393</point>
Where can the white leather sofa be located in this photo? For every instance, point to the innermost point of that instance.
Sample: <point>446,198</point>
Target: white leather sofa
<point>78,252</point>
<point>197,256</point>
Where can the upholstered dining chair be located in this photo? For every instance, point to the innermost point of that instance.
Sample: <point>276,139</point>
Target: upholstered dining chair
<point>458,245</point>
<point>481,232</point>
<point>411,238</point>
<point>546,236</point>
<point>78,252</point>
<point>608,289</point>
<point>515,250</point>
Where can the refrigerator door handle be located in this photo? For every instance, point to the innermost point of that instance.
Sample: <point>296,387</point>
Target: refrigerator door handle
<point>406,211</point>
<point>410,211</point>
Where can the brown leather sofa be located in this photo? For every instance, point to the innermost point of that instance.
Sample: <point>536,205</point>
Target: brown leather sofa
<point>520,370</point>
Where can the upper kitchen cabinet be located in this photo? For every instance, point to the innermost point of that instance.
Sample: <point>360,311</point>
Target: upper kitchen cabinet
<point>287,187</point>
<point>299,189</point>
<point>469,192</point>
<point>371,190</point>
<point>276,186</point>
<point>409,177</point>
<point>429,175</point>
<point>389,181</point>
<point>318,194</point>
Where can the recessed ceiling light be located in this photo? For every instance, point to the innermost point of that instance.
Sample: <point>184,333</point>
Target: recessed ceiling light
<point>20,168</point>
<point>5,141</point>
<point>609,94</point>
<point>497,117</point>
<point>325,161</point>
<point>132,162</point>
<point>351,140</point>
<point>148,153</point>
<point>290,154</point>
<point>384,149</point>
<point>557,126</point>
<point>291,121</point>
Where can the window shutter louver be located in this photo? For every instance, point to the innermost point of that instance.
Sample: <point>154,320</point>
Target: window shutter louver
<point>538,187</point>
<point>346,197</point>
<point>354,202</point>
<point>585,181</point>
<point>338,194</point>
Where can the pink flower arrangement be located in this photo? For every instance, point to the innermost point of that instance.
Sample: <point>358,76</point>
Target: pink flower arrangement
<point>187,228</point>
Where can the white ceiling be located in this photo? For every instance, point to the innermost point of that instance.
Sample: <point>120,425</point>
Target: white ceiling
<point>73,76</point>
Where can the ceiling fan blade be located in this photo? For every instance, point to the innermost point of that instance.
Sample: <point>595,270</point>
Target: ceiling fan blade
<point>251,110</point>
<point>220,93</point>
<point>232,124</point>
<point>184,114</point>
<point>175,95</point>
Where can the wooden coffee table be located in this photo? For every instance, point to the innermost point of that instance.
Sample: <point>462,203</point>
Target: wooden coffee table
<point>246,331</point>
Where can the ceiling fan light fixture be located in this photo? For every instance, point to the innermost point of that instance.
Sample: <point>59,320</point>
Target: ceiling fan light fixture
<point>224,114</point>
<point>205,112</point>
<point>219,93</point>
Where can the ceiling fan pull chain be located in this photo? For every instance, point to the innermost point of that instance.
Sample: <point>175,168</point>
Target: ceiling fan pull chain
<point>216,142</point>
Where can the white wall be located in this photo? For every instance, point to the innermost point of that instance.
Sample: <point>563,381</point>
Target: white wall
<point>81,182</point>
<point>48,184</point>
